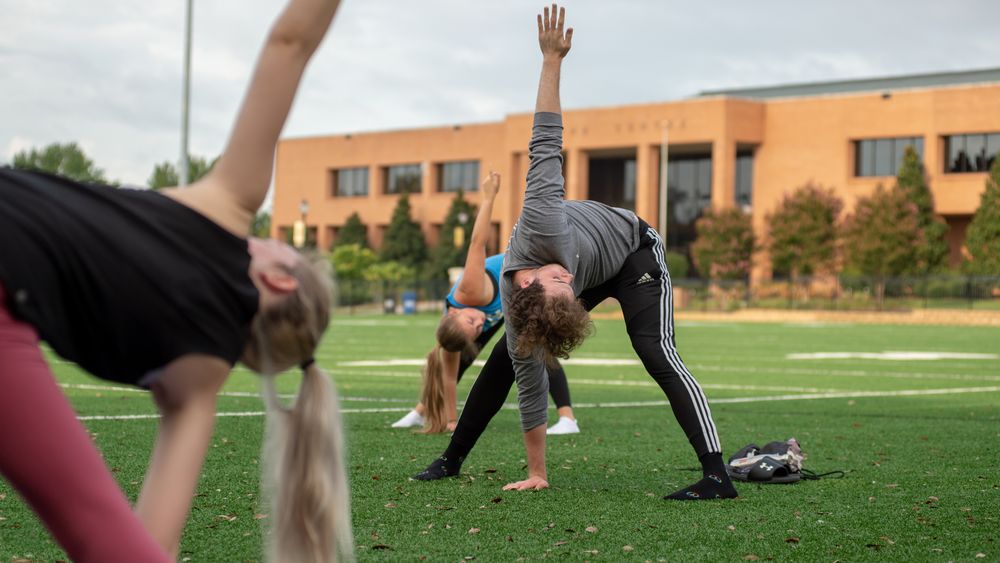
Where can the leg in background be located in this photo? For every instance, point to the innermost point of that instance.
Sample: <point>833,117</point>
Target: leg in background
<point>485,399</point>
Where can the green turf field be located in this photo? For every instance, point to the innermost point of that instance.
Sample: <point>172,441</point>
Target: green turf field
<point>918,438</point>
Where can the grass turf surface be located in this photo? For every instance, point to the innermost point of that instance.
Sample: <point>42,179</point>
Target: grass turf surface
<point>919,440</point>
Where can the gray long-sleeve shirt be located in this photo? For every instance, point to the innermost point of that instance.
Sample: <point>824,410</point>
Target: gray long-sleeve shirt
<point>588,238</point>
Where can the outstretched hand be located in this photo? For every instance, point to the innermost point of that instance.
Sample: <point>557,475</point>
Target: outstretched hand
<point>551,38</point>
<point>529,484</point>
<point>491,186</point>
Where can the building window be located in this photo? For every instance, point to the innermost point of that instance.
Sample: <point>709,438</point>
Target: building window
<point>744,178</point>
<point>612,181</point>
<point>454,176</point>
<point>349,182</point>
<point>689,193</point>
<point>402,179</point>
<point>883,157</point>
<point>971,153</point>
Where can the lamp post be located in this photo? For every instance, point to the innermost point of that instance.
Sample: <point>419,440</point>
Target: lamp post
<point>182,167</point>
<point>664,162</point>
<point>459,234</point>
<point>299,228</point>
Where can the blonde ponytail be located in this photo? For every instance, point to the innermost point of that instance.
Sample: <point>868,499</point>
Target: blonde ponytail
<point>304,478</point>
<point>432,393</point>
<point>305,481</point>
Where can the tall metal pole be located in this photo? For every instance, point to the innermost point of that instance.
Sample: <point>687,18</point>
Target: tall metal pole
<point>182,172</point>
<point>664,160</point>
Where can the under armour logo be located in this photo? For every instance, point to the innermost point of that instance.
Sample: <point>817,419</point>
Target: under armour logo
<point>765,466</point>
<point>645,278</point>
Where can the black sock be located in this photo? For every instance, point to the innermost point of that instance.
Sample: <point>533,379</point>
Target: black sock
<point>715,483</point>
<point>444,466</point>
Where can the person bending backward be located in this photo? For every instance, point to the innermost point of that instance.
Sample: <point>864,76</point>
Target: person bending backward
<point>164,291</point>
<point>560,250</point>
<point>473,315</point>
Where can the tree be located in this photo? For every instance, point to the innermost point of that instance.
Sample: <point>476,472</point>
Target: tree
<point>67,160</point>
<point>447,253</point>
<point>982,239</point>
<point>802,231</point>
<point>725,244</point>
<point>882,238</point>
<point>404,242</point>
<point>261,227</point>
<point>353,232</point>
<point>933,252</point>
<point>165,174</point>
<point>350,262</point>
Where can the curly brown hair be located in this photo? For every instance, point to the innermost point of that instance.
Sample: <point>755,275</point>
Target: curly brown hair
<point>547,327</point>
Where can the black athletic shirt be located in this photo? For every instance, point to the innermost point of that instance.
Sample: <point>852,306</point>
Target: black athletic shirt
<point>121,281</point>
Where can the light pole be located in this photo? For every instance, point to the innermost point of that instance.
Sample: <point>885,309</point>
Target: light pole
<point>182,173</point>
<point>664,161</point>
<point>299,228</point>
<point>459,234</point>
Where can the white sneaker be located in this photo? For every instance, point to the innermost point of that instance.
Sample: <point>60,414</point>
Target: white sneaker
<point>565,425</point>
<point>412,418</point>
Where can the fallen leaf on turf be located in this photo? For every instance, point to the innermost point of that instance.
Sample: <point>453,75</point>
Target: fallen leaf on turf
<point>226,517</point>
<point>627,548</point>
<point>473,530</point>
<point>490,470</point>
<point>980,555</point>
<point>259,516</point>
<point>560,542</point>
<point>590,529</point>
<point>892,485</point>
<point>390,505</point>
<point>376,478</point>
<point>791,540</point>
<point>496,500</point>
<point>731,528</point>
<point>750,557</point>
<point>886,540</point>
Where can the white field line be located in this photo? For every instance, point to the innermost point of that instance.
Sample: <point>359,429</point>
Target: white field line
<point>512,406</point>
<point>844,373</point>
<point>891,356</point>
<point>88,387</point>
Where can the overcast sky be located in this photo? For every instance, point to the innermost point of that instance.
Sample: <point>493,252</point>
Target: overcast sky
<point>107,73</point>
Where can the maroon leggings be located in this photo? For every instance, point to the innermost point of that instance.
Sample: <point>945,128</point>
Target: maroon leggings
<point>46,454</point>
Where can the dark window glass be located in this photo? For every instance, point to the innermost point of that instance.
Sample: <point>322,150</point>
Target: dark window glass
<point>971,153</point>
<point>992,147</point>
<point>744,179</point>
<point>975,145</point>
<point>689,192</point>
<point>883,157</point>
<point>402,179</point>
<point>957,159</point>
<point>349,182</point>
<point>865,161</point>
<point>612,181</point>
<point>454,176</point>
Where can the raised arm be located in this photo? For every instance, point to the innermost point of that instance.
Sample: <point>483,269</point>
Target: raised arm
<point>475,289</point>
<point>555,44</point>
<point>243,172</point>
<point>543,199</point>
